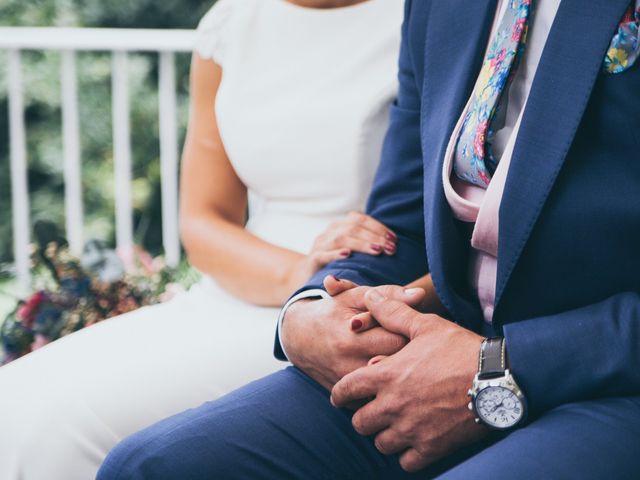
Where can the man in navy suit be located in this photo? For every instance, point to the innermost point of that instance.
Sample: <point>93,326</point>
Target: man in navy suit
<point>537,276</point>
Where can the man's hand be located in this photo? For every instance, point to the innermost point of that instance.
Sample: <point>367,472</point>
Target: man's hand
<point>430,302</point>
<point>319,339</point>
<point>420,393</point>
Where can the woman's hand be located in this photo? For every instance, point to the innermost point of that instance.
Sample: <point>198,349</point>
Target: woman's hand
<point>357,232</point>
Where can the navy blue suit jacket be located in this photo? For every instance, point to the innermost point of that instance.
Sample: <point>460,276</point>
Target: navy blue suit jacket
<point>569,244</point>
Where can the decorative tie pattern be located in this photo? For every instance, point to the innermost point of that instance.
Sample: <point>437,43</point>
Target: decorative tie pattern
<point>474,162</point>
<point>625,46</point>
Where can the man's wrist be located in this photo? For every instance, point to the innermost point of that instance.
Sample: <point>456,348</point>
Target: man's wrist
<point>496,398</point>
<point>311,294</point>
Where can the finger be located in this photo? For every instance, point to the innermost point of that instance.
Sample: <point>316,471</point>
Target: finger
<point>365,321</point>
<point>414,461</point>
<point>335,286</point>
<point>370,419</point>
<point>354,298</point>
<point>373,225</point>
<point>374,242</point>
<point>393,315</point>
<point>362,322</point>
<point>377,359</point>
<point>389,442</point>
<point>411,296</point>
<point>379,341</point>
<point>357,385</point>
<point>359,243</point>
<point>320,259</point>
<point>368,240</point>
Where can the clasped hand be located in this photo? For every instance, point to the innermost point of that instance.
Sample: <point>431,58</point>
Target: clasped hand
<point>319,340</point>
<point>405,373</point>
<point>419,406</point>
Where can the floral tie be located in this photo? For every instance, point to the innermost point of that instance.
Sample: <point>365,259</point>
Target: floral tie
<point>625,46</point>
<point>474,162</point>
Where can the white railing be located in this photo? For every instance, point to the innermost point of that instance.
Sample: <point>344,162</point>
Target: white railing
<point>120,42</point>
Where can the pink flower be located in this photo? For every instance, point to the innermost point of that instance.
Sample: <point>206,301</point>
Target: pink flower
<point>479,140</point>
<point>520,24</point>
<point>483,176</point>
<point>28,310</point>
<point>499,58</point>
<point>135,258</point>
<point>39,342</point>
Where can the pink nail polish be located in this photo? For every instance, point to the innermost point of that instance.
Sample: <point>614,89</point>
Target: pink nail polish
<point>345,253</point>
<point>356,324</point>
<point>376,248</point>
<point>391,236</point>
<point>390,247</point>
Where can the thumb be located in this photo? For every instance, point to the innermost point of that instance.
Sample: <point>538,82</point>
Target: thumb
<point>393,315</point>
<point>335,286</point>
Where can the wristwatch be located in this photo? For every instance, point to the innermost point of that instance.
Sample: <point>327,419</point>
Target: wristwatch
<point>496,398</point>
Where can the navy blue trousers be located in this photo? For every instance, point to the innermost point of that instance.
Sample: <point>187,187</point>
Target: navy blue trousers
<point>283,427</point>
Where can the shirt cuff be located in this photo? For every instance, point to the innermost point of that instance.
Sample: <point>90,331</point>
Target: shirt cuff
<point>313,293</point>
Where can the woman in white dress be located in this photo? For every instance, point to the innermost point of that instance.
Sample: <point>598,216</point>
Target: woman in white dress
<point>290,102</point>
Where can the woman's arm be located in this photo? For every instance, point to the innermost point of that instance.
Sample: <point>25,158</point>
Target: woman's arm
<point>213,215</point>
<point>214,204</point>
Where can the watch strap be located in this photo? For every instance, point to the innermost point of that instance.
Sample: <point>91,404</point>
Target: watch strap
<point>492,359</point>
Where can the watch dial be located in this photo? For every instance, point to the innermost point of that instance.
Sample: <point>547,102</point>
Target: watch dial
<point>499,407</point>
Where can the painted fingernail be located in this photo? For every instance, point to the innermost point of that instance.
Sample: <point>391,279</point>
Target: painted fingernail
<point>345,253</point>
<point>376,248</point>
<point>391,236</point>
<point>390,247</point>
<point>375,296</point>
<point>356,324</point>
<point>412,291</point>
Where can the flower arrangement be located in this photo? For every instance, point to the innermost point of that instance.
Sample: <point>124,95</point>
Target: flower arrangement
<point>75,293</point>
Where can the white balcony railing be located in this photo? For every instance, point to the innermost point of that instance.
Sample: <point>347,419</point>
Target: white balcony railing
<point>120,42</point>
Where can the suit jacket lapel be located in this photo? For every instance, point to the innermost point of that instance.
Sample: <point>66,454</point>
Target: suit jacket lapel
<point>456,38</point>
<point>569,67</point>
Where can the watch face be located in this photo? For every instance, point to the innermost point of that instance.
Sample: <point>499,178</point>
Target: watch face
<point>499,407</point>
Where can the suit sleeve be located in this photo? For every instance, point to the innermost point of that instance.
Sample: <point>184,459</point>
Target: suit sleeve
<point>586,353</point>
<point>396,198</point>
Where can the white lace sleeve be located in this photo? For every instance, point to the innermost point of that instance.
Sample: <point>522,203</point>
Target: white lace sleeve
<point>212,31</point>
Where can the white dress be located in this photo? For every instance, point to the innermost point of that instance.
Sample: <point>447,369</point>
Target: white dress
<point>302,111</point>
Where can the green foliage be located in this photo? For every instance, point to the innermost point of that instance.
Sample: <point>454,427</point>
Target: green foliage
<point>41,72</point>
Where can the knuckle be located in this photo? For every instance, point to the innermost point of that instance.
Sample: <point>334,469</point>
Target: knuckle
<point>387,375</point>
<point>358,218</point>
<point>341,345</point>
<point>397,309</point>
<point>353,230</point>
<point>382,446</point>
<point>388,405</point>
<point>389,344</point>
<point>405,429</point>
<point>392,291</point>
